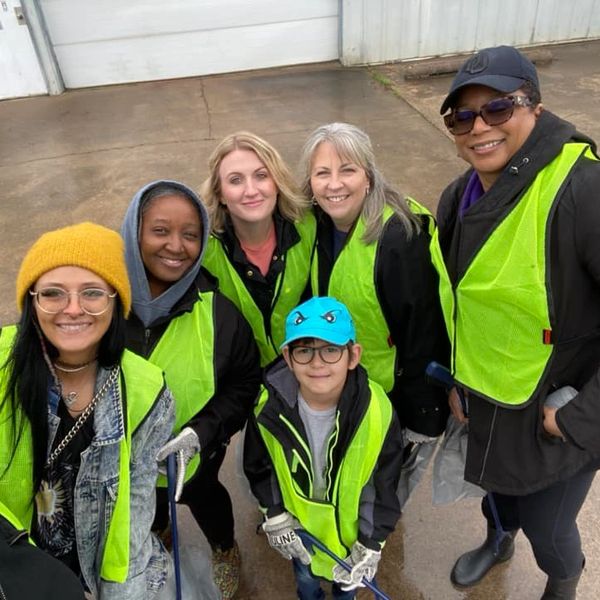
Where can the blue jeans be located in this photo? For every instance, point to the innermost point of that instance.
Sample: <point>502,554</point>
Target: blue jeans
<point>308,586</point>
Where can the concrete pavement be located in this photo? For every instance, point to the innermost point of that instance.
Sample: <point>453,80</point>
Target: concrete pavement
<point>82,155</point>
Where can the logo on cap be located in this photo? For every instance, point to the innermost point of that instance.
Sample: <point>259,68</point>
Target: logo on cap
<point>477,63</point>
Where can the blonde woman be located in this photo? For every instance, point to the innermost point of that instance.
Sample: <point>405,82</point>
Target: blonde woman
<point>262,235</point>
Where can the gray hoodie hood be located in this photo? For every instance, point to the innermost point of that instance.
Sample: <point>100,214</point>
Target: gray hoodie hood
<point>147,309</point>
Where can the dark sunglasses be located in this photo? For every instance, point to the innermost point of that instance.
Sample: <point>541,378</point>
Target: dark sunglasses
<point>494,112</point>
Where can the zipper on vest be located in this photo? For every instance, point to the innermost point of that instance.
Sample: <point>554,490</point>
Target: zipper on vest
<point>331,445</point>
<point>147,333</point>
<point>19,535</point>
<point>276,293</point>
<point>2,593</point>
<point>309,468</point>
<point>488,445</point>
<point>454,315</point>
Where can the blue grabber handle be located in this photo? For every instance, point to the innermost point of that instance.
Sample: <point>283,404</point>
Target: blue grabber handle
<point>310,540</point>
<point>441,375</point>
<point>171,479</point>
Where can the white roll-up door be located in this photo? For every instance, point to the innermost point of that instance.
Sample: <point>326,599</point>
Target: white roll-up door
<point>118,41</point>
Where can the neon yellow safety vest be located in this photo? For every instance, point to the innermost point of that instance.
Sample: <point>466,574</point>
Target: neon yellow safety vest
<point>185,353</point>
<point>498,316</point>
<point>352,281</point>
<point>288,288</point>
<point>10,517</point>
<point>143,382</point>
<point>334,523</point>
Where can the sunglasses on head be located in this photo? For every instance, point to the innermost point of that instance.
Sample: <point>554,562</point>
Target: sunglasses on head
<point>494,112</point>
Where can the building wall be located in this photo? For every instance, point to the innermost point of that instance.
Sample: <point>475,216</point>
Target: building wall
<point>103,42</point>
<point>376,31</point>
<point>111,41</point>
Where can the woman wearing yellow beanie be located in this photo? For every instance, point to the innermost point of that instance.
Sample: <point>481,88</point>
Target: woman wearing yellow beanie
<point>81,418</point>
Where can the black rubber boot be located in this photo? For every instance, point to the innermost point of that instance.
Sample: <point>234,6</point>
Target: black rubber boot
<point>561,589</point>
<point>472,566</point>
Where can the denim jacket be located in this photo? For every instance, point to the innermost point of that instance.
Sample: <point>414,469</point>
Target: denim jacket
<point>95,494</point>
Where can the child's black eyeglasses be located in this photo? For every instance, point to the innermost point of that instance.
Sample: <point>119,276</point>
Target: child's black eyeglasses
<point>329,354</point>
<point>494,112</point>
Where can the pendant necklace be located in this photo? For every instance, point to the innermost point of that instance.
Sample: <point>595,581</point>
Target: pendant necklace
<point>70,399</point>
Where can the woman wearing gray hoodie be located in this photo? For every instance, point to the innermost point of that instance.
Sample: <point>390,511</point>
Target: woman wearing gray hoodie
<point>182,323</point>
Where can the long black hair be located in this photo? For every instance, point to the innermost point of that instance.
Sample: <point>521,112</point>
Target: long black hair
<point>29,378</point>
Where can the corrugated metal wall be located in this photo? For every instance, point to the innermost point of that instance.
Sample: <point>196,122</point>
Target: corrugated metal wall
<point>375,31</point>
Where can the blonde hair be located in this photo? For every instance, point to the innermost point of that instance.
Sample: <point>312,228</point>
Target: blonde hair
<point>292,204</point>
<point>353,144</point>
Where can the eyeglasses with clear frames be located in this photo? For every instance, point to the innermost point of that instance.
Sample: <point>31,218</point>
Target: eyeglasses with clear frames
<point>329,354</point>
<point>93,301</point>
<point>494,112</point>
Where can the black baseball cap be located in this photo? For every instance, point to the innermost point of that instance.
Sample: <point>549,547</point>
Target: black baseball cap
<point>502,68</point>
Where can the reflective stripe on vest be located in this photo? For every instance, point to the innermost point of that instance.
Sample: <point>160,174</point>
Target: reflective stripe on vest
<point>143,383</point>
<point>422,211</point>
<point>499,311</point>
<point>288,288</point>
<point>352,281</point>
<point>186,354</point>
<point>334,523</point>
<point>10,517</point>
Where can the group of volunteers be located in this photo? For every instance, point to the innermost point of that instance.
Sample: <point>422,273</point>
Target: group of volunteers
<point>307,313</point>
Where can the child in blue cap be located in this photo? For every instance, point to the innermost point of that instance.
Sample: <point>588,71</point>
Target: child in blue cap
<point>323,452</point>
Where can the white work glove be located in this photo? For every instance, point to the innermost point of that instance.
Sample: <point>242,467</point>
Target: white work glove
<point>281,535</point>
<point>186,445</point>
<point>364,564</point>
<point>560,397</point>
<point>414,437</point>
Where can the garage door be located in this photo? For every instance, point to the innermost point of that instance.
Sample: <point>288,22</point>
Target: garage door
<point>118,41</point>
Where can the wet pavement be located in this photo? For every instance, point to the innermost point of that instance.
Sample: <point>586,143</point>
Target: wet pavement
<point>82,155</point>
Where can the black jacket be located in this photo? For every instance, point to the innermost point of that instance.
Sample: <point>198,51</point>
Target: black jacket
<point>261,288</point>
<point>28,573</point>
<point>378,519</point>
<point>407,288</point>
<point>509,451</point>
<point>236,364</point>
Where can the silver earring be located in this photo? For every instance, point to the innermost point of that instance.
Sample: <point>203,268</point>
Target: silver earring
<point>367,190</point>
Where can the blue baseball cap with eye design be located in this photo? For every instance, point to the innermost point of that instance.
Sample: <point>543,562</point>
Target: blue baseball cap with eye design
<point>323,318</point>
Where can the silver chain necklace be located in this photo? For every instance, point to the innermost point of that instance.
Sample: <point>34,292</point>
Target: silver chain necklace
<point>89,409</point>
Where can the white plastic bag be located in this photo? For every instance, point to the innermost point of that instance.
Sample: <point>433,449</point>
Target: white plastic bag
<point>413,469</point>
<point>449,483</point>
<point>196,575</point>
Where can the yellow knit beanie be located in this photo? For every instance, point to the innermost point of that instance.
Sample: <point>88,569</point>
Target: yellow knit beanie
<point>85,245</point>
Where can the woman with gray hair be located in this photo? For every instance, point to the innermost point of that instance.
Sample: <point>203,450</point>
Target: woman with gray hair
<point>372,253</point>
